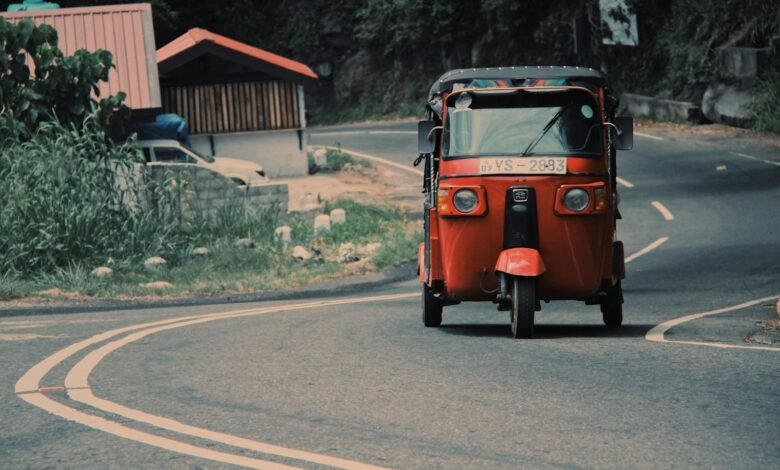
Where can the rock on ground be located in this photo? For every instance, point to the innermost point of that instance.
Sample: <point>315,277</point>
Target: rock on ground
<point>322,223</point>
<point>348,253</point>
<point>301,253</point>
<point>338,216</point>
<point>102,271</point>
<point>200,251</point>
<point>246,243</point>
<point>155,262</point>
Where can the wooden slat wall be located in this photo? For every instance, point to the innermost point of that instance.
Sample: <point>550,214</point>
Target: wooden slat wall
<point>235,107</point>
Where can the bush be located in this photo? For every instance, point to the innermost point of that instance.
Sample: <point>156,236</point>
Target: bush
<point>62,201</point>
<point>766,103</point>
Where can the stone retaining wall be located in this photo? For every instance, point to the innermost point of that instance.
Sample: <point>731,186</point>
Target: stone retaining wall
<point>206,190</point>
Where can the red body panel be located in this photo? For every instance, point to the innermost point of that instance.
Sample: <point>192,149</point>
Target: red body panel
<point>575,255</point>
<point>577,250</point>
<point>520,262</point>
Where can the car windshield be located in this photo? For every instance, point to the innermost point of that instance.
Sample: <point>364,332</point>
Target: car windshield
<point>525,123</point>
<point>208,158</point>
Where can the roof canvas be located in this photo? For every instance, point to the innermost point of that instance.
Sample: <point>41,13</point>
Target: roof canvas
<point>446,81</point>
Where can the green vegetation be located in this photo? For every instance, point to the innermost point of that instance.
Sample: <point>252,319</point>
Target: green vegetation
<point>337,160</point>
<point>228,269</point>
<point>377,58</point>
<point>61,85</point>
<point>766,102</point>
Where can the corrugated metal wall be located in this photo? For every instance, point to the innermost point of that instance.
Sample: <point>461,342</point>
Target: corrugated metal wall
<point>235,107</point>
<point>125,30</point>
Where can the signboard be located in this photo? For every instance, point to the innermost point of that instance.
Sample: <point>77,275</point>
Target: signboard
<point>618,23</point>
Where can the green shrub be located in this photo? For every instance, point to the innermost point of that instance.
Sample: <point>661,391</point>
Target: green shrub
<point>63,201</point>
<point>766,103</point>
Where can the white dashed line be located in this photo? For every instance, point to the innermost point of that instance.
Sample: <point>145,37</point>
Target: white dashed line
<point>663,210</point>
<point>751,157</point>
<point>657,332</point>
<point>647,249</point>
<point>648,136</point>
<point>625,182</point>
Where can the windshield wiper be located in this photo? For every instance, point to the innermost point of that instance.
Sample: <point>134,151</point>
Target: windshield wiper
<point>544,131</point>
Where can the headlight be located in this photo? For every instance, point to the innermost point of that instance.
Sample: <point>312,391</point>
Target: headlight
<point>576,199</point>
<point>465,200</point>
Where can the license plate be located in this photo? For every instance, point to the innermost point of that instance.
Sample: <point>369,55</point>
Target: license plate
<point>522,165</point>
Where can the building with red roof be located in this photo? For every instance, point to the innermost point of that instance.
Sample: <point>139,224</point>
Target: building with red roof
<point>238,100</point>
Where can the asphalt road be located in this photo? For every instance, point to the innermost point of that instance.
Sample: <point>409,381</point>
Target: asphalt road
<point>362,380</point>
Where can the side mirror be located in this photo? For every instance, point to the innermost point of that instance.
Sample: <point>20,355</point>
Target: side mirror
<point>426,142</point>
<point>624,140</point>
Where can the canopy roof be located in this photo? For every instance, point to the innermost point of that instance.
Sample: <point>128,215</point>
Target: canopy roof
<point>515,76</point>
<point>198,42</point>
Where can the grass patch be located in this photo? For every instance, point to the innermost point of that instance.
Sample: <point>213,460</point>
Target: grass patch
<point>231,270</point>
<point>766,103</point>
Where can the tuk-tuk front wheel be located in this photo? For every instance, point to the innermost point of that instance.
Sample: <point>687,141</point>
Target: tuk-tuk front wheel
<point>523,306</point>
<point>431,308</point>
<point>612,306</point>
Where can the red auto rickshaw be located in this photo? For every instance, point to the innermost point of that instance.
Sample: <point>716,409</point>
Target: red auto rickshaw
<point>520,184</point>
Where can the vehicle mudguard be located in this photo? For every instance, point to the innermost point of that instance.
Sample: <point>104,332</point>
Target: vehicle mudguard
<point>521,262</point>
<point>421,274</point>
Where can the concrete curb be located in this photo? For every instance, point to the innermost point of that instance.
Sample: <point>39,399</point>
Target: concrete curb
<point>663,110</point>
<point>330,288</point>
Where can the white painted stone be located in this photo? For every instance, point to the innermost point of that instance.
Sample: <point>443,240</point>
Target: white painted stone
<point>154,263</point>
<point>322,223</point>
<point>283,233</point>
<point>200,251</point>
<point>338,216</point>
<point>247,243</point>
<point>157,285</point>
<point>320,157</point>
<point>301,253</point>
<point>348,253</point>
<point>102,271</point>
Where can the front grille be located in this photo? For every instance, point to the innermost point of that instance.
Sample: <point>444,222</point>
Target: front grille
<point>520,225</point>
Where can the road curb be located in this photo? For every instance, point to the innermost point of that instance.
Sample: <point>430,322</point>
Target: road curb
<point>329,288</point>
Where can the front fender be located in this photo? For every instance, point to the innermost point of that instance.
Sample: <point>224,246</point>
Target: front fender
<point>521,262</point>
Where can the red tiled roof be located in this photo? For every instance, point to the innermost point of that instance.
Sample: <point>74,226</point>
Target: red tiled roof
<point>124,30</point>
<point>196,36</point>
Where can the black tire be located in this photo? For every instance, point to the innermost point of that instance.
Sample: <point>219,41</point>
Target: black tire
<point>523,307</point>
<point>612,307</point>
<point>431,308</point>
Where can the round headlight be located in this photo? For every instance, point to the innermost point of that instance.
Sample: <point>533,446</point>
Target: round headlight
<point>465,200</point>
<point>576,199</point>
<point>463,101</point>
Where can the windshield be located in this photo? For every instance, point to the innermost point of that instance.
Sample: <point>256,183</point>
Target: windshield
<point>525,123</point>
<point>208,158</point>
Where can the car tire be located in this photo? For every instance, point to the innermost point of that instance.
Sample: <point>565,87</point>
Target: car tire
<point>431,308</point>
<point>523,307</point>
<point>612,306</point>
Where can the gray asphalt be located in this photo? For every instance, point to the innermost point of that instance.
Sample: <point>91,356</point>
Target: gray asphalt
<point>367,382</point>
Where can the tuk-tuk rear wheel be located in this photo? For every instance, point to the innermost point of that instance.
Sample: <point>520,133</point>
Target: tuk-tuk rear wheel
<point>523,307</point>
<point>431,308</point>
<point>612,306</point>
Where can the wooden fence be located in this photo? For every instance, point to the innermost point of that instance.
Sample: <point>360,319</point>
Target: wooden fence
<point>235,107</point>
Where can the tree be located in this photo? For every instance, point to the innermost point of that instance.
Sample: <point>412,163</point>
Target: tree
<point>38,82</point>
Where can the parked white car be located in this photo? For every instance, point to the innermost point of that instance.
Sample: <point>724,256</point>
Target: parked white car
<point>174,153</point>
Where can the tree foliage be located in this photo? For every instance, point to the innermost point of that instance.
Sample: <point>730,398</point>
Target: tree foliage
<point>39,82</point>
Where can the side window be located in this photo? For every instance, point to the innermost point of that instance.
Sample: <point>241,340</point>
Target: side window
<point>147,154</point>
<point>172,155</point>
